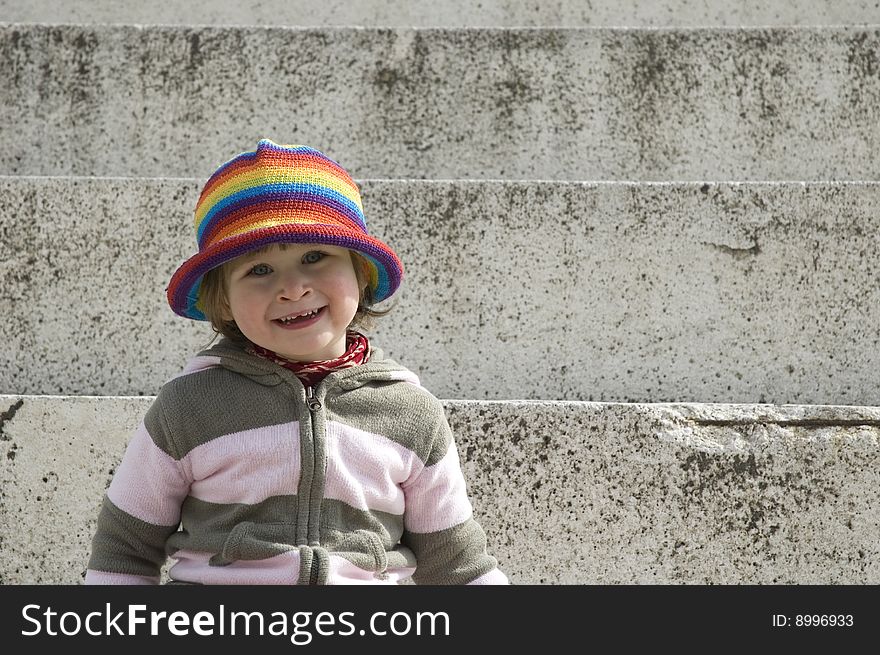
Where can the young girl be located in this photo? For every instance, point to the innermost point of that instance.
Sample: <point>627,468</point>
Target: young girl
<point>291,452</point>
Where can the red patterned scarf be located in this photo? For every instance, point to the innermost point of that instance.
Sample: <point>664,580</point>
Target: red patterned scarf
<point>311,373</point>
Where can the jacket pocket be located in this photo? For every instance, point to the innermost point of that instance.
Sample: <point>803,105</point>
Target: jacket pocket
<point>250,541</point>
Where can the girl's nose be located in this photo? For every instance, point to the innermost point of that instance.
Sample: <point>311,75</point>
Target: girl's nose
<point>293,287</point>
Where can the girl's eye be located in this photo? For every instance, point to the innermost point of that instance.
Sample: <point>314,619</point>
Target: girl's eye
<point>260,270</point>
<point>313,257</point>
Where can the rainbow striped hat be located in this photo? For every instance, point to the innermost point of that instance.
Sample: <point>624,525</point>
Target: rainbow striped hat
<point>278,194</point>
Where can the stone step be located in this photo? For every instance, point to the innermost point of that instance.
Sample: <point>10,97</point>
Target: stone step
<point>568,493</point>
<point>707,292</point>
<point>574,104</point>
<point>449,13</point>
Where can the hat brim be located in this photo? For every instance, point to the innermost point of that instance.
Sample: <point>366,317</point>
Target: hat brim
<point>183,290</point>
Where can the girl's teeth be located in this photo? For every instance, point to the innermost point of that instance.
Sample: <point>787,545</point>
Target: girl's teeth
<point>300,317</point>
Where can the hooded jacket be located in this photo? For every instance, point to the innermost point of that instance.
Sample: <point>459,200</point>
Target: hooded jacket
<point>245,476</point>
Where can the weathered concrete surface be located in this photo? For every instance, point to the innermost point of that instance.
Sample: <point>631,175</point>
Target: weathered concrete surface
<point>569,493</point>
<point>448,13</point>
<point>580,291</point>
<point>576,104</point>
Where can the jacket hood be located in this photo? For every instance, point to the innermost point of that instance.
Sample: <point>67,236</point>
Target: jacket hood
<point>234,357</point>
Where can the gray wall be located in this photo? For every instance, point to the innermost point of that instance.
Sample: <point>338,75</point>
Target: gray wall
<point>450,13</point>
<point>578,104</point>
<point>547,290</point>
<point>589,208</point>
<point>569,493</point>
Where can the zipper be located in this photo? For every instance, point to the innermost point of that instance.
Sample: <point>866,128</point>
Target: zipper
<point>314,406</point>
<point>313,403</point>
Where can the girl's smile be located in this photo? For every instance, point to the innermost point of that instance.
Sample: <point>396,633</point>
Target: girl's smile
<point>300,320</point>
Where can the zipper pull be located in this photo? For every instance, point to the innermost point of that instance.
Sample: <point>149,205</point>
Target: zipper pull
<point>313,403</point>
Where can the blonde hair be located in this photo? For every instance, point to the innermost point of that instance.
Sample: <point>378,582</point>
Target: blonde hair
<point>214,303</point>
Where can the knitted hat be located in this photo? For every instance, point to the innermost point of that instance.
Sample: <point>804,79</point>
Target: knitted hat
<point>278,194</point>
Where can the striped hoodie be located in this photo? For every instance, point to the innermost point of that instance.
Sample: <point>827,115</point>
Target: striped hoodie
<point>244,476</point>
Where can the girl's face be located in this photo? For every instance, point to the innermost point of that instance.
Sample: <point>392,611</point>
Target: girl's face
<point>297,302</point>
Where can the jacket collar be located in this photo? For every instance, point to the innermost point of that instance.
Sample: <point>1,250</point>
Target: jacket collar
<point>378,369</point>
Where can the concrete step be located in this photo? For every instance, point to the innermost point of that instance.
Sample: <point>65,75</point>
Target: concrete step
<point>448,13</point>
<point>568,493</point>
<point>707,292</point>
<point>574,104</point>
